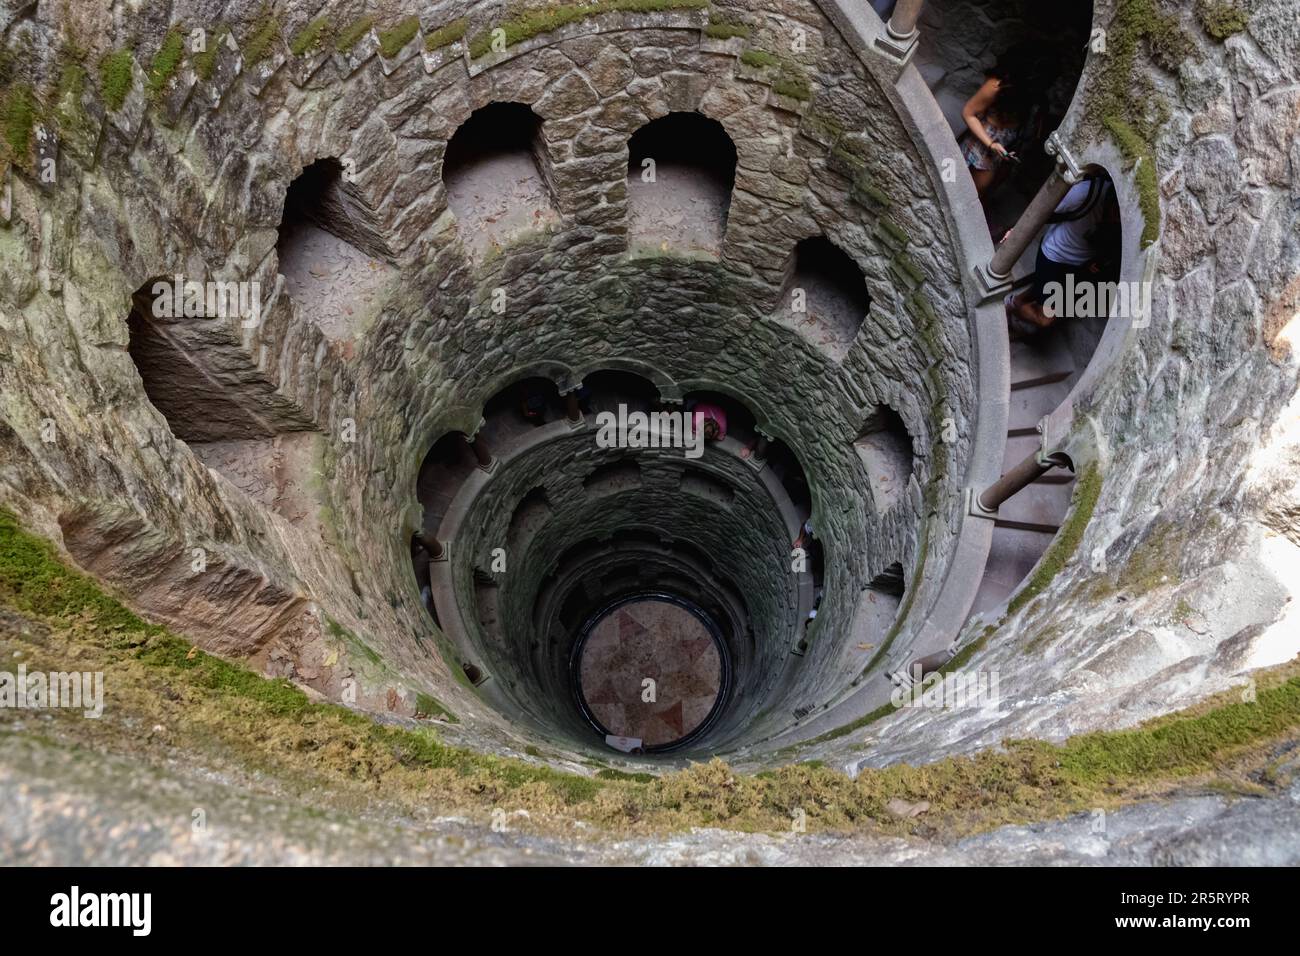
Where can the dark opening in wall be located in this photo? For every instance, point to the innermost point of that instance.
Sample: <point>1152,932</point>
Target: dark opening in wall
<point>885,447</point>
<point>446,466</point>
<point>195,374</point>
<point>519,407</point>
<point>331,253</point>
<point>962,39</point>
<point>826,296</point>
<point>496,171</point>
<point>681,170</point>
<point>607,389</point>
<point>201,403</point>
<point>890,581</point>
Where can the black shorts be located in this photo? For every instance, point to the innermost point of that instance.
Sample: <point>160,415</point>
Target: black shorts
<point>1047,271</point>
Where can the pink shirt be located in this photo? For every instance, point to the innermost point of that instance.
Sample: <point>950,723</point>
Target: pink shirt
<point>704,410</point>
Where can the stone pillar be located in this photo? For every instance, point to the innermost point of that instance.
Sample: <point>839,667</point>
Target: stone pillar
<point>996,276</point>
<point>902,23</point>
<point>572,410</point>
<point>431,544</point>
<point>900,37</point>
<point>482,453</point>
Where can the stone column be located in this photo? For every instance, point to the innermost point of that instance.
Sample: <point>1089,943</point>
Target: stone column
<point>1033,219</point>
<point>996,276</point>
<point>572,410</point>
<point>899,40</point>
<point>902,23</point>
<point>431,544</point>
<point>482,453</point>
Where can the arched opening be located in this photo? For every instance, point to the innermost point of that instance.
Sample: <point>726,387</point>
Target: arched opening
<point>517,409</point>
<point>196,375</point>
<point>961,42</point>
<point>448,463</point>
<point>825,297</point>
<point>681,169</point>
<point>332,257</point>
<point>496,172</point>
<point>885,447</point>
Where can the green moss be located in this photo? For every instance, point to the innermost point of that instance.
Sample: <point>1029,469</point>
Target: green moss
<point>794,85</point>
<point>532,751</point>
<point>393,40</point>
<point>353,33</point>
<point>167,60</point>
<point>1138,153</point>
<point>532,23</point>
<point>864,186</point>
<point>1124,101</point>
<point>1221,20</point>
<point>825,128</point>
<point>312,38</point>
<point>893,230</point>
<point>426,705</point>
<point>34,580</point>
<point>446,35</point>
<point>760,59</point>
<point>266,30</point>
<point>884,710</point>
<point>279,697</point>
<point>726,29</point>
<point>18,116</point>
<point>1181,745</point>
<point>205,60</point>
<point>209,705</point>
<point>115,77</point>
<point>1086,492</point>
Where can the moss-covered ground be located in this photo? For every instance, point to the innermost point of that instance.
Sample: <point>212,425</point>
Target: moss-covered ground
<point>216,713</point>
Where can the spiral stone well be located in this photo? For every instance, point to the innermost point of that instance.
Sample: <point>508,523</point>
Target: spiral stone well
<point>466,248</point>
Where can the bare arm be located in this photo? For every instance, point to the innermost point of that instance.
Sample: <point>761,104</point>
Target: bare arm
<point>977,104</point>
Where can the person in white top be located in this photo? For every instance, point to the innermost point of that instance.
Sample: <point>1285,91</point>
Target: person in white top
<point>1072,245</point>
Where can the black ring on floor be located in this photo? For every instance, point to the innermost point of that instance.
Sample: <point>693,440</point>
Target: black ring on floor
<point>724,664</point>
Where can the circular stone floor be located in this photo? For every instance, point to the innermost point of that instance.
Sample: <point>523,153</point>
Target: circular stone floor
<point>650,638</point>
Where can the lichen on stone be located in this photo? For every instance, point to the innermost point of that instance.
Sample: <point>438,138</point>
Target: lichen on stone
<point>532,23</point>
